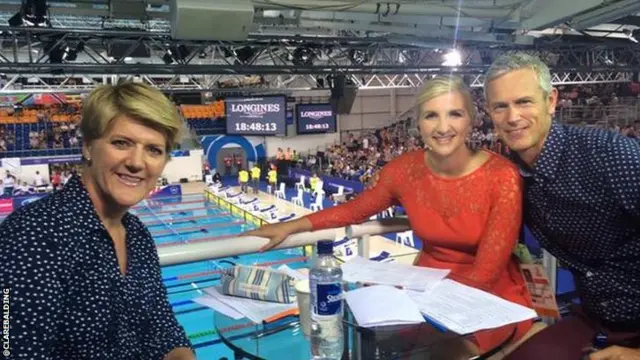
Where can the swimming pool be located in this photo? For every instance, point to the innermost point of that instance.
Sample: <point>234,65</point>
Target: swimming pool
<point>189,218</point>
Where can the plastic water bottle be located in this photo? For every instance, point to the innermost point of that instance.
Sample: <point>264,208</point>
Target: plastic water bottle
<point>325,283</point>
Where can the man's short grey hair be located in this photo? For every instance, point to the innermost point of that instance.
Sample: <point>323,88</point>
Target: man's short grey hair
<point>509,62</point>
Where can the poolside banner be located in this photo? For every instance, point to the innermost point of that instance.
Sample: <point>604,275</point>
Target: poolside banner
<point>6,206</point>
<point>20,201</point>
<point>329,181</point>
<point>168,190</point>
<point>51,160</point>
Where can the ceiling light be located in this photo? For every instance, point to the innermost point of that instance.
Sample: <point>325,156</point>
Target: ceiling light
<point>452,58</point>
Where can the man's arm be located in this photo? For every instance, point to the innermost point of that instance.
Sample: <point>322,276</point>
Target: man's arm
<point>621,159</point>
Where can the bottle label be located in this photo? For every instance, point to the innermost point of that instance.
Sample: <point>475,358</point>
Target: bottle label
<point>329,299</point>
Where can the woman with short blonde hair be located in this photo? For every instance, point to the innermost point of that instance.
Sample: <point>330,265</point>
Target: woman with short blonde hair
<point>136,100</point>
<point>85,274</point>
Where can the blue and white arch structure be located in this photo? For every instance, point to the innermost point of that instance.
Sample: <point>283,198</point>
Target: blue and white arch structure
<point>213,144</point>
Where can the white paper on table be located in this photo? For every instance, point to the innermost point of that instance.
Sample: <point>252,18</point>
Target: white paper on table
<point>463,309</point>
<point>293,273</point>
<point>219,306</point>
<point>416,278</point>
<point>380,305</point>
<point>254,310</point>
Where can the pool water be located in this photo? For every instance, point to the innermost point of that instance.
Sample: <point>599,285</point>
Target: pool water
<point>189,218</point>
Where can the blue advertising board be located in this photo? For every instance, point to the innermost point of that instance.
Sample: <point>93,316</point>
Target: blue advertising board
<point>330,183</point>
<point>168,190</point>
<point>256,115</point>
<point>164,191</point>
<point>51,160</point>
<point>24,200</point>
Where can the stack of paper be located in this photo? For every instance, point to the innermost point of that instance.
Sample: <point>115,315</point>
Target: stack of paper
<point>395,274</point>
<point>463,309</point>
<point>237,307</point>
<point>382,305</point>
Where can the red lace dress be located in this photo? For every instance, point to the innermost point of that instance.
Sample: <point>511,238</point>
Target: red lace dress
<point>468,224</point>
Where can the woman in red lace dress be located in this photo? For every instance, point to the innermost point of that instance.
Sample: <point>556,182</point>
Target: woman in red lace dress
<point>464,204</point>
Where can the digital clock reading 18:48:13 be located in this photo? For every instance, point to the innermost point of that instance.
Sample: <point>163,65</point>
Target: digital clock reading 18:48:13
<point>243,126</point>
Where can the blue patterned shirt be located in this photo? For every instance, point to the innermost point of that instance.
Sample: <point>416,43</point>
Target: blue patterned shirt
<point>68,298</point>
<point>582,203</point>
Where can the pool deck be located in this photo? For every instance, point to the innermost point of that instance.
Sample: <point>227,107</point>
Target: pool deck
<point>401,253</point>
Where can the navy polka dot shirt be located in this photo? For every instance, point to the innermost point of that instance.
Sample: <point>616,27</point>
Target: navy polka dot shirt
<point>582,202</point>
<point>68,298</point>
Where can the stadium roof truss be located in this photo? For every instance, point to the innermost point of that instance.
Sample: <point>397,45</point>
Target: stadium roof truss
<point>296,44</point>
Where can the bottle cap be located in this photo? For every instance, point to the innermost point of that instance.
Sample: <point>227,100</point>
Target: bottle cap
<point>325,247</point>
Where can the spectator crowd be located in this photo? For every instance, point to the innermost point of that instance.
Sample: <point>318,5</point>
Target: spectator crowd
<point>363,153</point>
<point>40,127</point>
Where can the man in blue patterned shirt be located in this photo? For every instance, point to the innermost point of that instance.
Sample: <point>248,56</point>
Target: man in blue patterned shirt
<point>582,203</point>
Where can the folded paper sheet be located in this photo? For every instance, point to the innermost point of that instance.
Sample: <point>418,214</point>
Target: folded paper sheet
<point>381,305</point>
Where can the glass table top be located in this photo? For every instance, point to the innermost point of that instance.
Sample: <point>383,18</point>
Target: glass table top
<point>283,339</point>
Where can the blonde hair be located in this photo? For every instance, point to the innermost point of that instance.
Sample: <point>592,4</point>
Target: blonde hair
<point>138,101</point>
<point>440,85</point>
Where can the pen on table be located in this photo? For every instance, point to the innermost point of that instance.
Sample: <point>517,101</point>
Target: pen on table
<point>197,288</point>
<point>282,315</point>
<point>367,284</point>
<point>438,326</point>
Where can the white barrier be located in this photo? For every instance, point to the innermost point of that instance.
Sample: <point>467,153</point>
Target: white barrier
<point>239,245</point>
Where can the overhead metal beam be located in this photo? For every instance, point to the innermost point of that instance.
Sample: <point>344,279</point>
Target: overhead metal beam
<point>502,9</point>
<point>179,69</point>
<point>280,84</point>
<point>605,14</point>
<point>477,9</point>
<point>628,20</point>
<point>364,60</point>
<point>547,13</point>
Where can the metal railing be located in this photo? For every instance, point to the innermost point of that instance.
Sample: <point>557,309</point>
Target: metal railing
<point>621,115</point>
<point>240,245</point>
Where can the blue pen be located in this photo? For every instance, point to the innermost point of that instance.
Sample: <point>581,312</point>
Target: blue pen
<point>438,326</point>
